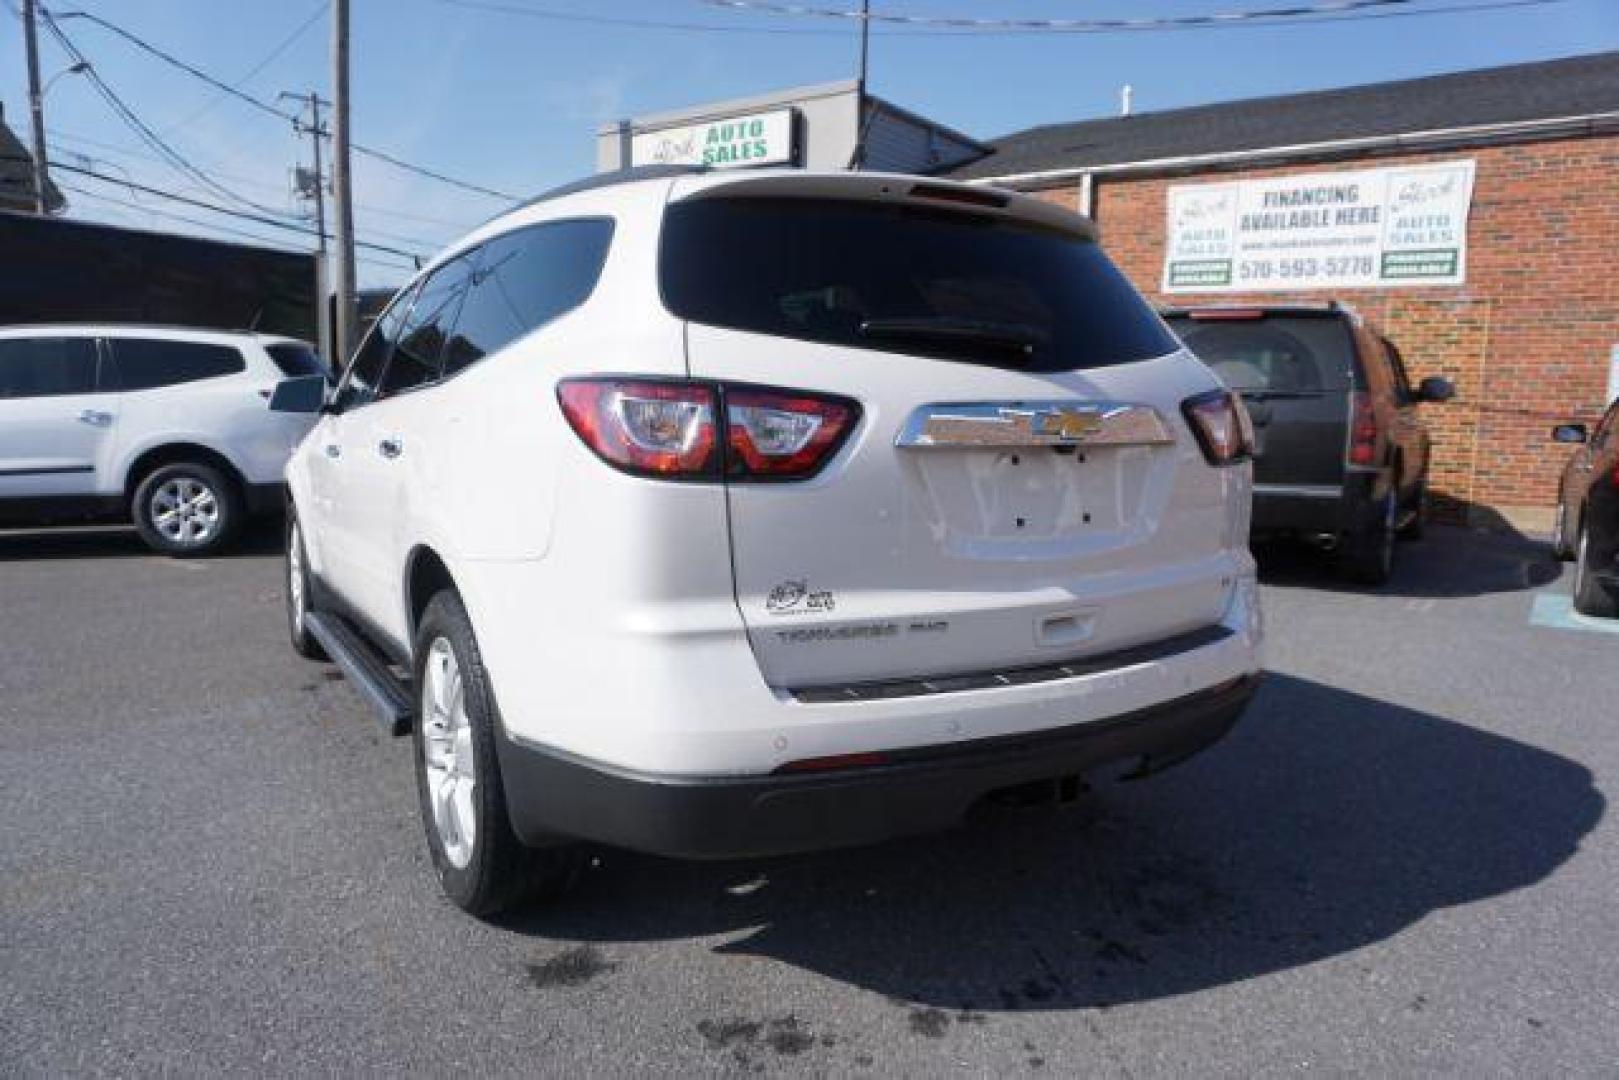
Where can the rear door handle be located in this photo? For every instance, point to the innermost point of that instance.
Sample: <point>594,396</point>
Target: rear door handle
<point>95,417</point>
<point>333,450</point>
<point>390,448</point>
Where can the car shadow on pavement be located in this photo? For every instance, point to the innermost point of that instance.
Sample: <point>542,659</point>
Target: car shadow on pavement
<point>261,537</point>
<point>1448,562</point>
<point>1326,822</point>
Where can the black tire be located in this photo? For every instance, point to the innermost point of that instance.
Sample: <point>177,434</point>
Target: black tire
<point>1416,525</point>
<point>1562,551</point>
<point>494,870</point>
<point>217,514</point>
<point>1590,596</point>
<point>298,593</point>
<point>1368,554</point>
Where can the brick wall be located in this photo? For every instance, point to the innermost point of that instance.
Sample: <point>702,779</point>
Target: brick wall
<point>1526,339</point>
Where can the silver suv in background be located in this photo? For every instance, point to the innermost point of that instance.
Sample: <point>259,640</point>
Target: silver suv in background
<point>167,427</point>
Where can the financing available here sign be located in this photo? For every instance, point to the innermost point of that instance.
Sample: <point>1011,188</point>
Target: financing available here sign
<point>1399,226</point>
<point>757,139</point>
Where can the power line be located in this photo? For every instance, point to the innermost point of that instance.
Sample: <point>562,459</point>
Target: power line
<point>553,15</point>
<point>271,57</point>
<point>59,151</point>
<point>370,208</point>
<point>203,204</point>
<point>169,215</point>
<point>1323,11</point>
<point>173,157</point>
<point>270,110</point>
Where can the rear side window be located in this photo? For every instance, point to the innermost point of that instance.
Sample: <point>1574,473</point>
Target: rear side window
<point>365,369</point>
<point>149,363</point>
<point>903,279</point>
<point>295,359</point>
<point>1275,354</point>
<point>523,280</point>
<point>47,367</point>
<point>420,349</point>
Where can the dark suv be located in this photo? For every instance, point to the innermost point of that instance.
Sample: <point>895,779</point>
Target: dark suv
<point>1341,456</point>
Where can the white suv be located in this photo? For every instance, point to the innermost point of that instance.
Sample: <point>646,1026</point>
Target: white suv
<point>168,427</point>
<point>728,514</point>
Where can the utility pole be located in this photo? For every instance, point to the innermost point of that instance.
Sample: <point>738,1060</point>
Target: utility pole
<point>865,41</point>
<point>857,159</point>
<point>342,185</point>
<point>36,106</point>
<point>312,185</point>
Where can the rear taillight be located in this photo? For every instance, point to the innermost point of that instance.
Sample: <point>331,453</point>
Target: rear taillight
<point>663,429</point>
<point>1221,425</point>
<point>668,429</point>
<point>783,436</point>
<point>1362,429</point>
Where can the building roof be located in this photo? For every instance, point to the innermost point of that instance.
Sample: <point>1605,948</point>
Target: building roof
<point>1576,86</point>
<point>17,174</point>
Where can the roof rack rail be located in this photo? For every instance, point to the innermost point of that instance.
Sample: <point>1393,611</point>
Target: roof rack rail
<point>611,179</point>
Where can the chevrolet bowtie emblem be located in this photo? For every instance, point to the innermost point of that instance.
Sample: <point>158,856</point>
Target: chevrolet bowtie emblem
<point>1069,425</point>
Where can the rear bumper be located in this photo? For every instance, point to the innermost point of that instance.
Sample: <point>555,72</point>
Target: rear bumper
<point>552,794</point>
<point>1324,509</point>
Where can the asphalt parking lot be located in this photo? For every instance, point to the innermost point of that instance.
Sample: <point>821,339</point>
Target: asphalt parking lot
<point>1402,861</point>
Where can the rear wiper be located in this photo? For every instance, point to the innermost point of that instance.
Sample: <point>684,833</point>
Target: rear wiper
<point>1016,337</point>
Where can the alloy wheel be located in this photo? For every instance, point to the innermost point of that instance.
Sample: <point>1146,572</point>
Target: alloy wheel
<point>185,511</point>
<point>447,754</point>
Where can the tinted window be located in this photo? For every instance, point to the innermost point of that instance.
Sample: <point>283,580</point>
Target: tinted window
<point>46,367</point>
<point>1279,353</point>
<point>867,275</point>
<point>147,363</point>
<point>420,350</point>
<point>296,359</point>
<point>522,281</point>
<point>365,369</point>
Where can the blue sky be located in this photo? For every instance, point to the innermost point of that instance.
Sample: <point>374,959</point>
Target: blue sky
<point>512,101</point>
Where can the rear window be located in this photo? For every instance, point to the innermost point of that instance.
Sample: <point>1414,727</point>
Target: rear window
<point>903,279</point>
<point>148,363</point>
<point>1276,354</point>
<point>295,359</point>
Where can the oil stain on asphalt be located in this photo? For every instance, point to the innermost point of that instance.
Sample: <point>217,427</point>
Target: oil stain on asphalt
<point>786,1035</point>
<point>574,967</point>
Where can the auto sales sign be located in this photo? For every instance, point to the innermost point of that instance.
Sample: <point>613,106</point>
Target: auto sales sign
<point>1399,226</point>
<point>757,139</point>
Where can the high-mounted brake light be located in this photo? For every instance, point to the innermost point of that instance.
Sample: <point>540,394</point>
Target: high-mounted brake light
<point>669,429</point>
<point>1221,425</point>
<point>964,195</point>
<point>1362,429</point>
<point>1226,314</point>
